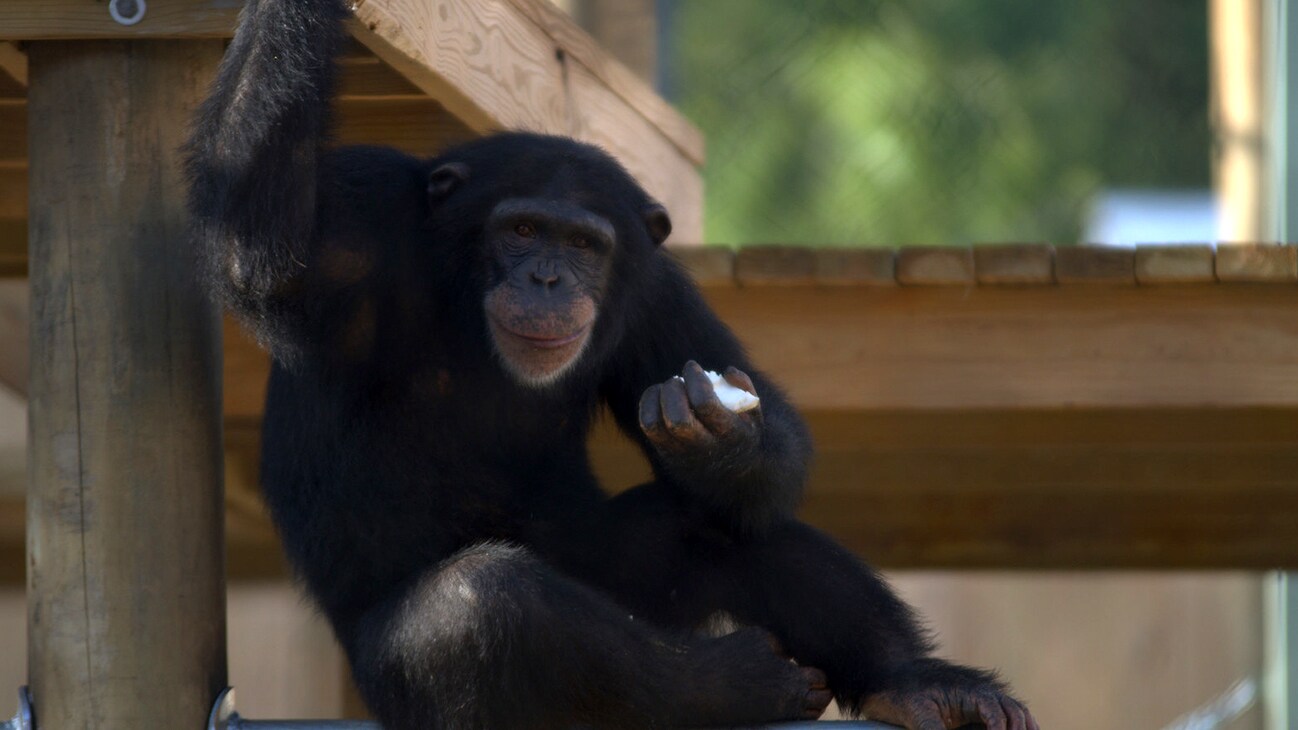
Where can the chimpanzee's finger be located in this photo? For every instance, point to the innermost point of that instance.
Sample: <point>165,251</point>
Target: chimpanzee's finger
<point>1014,713</point>
<point>990,711</point>
<point>651,412</point>
<point>703,399</point>
<point>677,415</point>
<point>739,379</point>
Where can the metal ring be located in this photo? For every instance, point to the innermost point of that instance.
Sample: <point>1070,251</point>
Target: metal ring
<point>134,11</point>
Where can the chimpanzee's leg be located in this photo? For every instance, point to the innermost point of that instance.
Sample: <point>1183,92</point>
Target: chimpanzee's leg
<point>494,638</point>
<point>665,557</point>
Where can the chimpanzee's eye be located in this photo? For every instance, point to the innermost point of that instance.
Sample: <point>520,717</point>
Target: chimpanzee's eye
<point>526,230</point>
<point>580,242</point>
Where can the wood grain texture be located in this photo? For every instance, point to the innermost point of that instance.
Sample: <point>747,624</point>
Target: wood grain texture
<point>603,119</point>
<point>126,577</point>
<point>622,81</point>
<point>84,19</point>
<point>946,348</point>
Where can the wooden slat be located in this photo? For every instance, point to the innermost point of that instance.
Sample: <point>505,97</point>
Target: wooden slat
<point>370,78</point>
<point>1015,264</point>
<point>624,82</point>
<point>82,19</point>
<point>1050,347</point>
<point>601,118</point>
<point>935,266</point>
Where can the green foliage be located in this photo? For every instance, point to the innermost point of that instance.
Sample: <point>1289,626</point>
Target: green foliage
<point>936,121</point>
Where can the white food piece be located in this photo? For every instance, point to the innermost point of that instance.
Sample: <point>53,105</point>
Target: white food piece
<point>736,399</point>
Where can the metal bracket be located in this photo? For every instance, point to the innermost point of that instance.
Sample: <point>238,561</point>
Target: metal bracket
<point>127,12</point>
<point>23,718</point>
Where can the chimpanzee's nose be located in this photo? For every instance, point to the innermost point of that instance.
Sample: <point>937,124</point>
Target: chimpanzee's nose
<point>545,278</point>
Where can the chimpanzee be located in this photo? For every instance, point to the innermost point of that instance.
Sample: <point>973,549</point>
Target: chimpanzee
<point>444,332</point>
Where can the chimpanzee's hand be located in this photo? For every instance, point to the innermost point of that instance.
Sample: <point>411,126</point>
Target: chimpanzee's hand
<point>685,421</point>
<point>948,705</point>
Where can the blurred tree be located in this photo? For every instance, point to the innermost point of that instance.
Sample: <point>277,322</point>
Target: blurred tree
<point>936,121</point>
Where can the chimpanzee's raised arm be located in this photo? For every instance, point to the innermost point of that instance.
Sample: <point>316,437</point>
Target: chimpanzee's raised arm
<point>284,225</point>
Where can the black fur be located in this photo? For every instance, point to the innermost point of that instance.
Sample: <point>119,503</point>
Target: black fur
<point>443,515</point>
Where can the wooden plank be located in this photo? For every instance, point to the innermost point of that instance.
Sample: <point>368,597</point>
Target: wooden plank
<point>126,576</point>
<point>603,119</point>
<point>1257,262</point>
<point>369,78</point>
<point>630,87</point>
<point>707,265</point>
<point>86,19</point>
<point>1014,264</point>
<point>935,266</point>
<point>1179,264</point>
<point>1090,264</point>
<point>775,265</point>
<point>940,348</point>
<point>856,266</point>
<point>992,347</point>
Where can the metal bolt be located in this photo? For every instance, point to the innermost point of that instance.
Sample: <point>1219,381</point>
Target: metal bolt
<point>127,12</point>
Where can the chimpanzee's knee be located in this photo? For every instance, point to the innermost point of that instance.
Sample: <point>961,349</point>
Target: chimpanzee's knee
<point>452,649</point>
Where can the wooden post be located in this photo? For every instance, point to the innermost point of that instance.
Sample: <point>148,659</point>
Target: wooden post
<point>125,555</point>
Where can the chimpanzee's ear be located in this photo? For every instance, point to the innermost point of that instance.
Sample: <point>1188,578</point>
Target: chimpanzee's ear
<point>657,222</point>
<point>445,179</point>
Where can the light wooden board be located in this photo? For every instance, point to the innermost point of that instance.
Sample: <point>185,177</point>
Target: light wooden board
<point>940,348</point>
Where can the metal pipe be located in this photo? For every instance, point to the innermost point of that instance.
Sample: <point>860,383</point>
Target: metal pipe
<point>224,717</point>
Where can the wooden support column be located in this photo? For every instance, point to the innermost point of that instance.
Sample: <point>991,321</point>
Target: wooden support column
<point>125,557</point>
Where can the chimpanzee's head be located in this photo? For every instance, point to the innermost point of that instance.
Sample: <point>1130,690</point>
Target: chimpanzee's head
<point>560,226</point>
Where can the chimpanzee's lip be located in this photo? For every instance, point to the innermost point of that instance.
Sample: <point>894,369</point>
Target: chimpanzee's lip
<point>545,342</point>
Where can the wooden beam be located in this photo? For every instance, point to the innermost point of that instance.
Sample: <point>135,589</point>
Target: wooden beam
<point>126,597</point>
<point>89,19</point>
<point>13,193</point>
